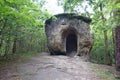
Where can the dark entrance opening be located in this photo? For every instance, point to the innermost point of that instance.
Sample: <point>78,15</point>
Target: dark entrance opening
<point>71,43</point>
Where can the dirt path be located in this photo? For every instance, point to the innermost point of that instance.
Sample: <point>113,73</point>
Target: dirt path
<point>50,68</point>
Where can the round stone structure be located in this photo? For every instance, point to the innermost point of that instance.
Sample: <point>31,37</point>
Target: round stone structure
<point>69,34</point>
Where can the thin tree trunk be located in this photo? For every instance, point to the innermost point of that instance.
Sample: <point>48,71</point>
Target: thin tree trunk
<point>117,35</point>
<point>117,48</point>
<point>14,46</point>
<point>15,41</point>
<point>7,48</point>
<point>108,58</point>
<point>1,33</point>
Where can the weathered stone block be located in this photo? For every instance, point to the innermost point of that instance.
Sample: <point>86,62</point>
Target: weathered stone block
<point>69,33</point>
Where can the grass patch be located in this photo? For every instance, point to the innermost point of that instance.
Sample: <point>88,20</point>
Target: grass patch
<point>16,57</point>
<point>103,74</point>
<point>106,75</point>
<point>27,55</point>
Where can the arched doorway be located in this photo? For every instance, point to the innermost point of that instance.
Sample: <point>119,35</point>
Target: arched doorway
<point>71,43</point>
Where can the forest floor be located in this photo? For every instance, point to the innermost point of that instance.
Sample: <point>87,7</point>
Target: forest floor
<point>45,67</point>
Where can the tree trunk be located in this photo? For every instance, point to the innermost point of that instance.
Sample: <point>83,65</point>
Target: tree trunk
<point>117,35</point>
<point>117,48</point>
<point>1,32</point>
<point>113,37</point>
<point>14,46</point>
<point>108,57</point>
<point>15,40</point>
<point>8,42</point>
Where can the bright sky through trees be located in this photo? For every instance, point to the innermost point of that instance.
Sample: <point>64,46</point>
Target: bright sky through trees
<point>52,7</point>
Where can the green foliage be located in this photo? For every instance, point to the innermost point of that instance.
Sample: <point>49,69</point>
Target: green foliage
<point>103,73</point>
<point>53,18</point>
<point>102,20</point>
<point>21,26</point>
<point>103,50</point>
<point>69,5</point>
<point>98,54</point>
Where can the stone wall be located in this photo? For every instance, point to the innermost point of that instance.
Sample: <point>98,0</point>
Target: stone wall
<point>68,33</point>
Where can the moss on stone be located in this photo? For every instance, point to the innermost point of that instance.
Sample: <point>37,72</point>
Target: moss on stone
<point>73,16</point>
<point>69,16</point>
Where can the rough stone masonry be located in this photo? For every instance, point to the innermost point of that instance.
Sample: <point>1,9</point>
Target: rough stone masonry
<point>69,34</point>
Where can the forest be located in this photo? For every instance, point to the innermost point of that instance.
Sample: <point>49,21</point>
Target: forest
<point>22,26</point>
